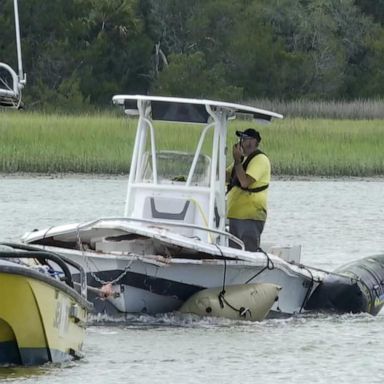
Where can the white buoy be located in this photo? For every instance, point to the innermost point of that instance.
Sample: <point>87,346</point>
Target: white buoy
<point>237,302</point>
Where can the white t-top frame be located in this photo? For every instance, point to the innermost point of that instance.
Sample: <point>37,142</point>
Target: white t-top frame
<point>201,205</point>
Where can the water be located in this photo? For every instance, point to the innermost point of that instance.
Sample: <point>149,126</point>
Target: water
<point>335,221</point>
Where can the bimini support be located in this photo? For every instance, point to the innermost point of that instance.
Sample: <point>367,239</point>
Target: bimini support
<point>12,83</point>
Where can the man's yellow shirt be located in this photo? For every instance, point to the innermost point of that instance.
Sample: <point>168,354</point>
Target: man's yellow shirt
<point>251,205</point>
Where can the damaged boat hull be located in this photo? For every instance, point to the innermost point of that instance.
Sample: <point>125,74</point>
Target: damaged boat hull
<point>156,271</point>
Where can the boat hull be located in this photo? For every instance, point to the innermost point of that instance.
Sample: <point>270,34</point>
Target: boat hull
<point>39,322</point>
<point>148,287</point>
<point>154,270</point>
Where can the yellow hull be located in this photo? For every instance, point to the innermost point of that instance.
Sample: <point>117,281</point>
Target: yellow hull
<point>39,321</point>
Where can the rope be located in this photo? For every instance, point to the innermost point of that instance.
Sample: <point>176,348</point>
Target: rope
<point>46,232</point>
<point>242,311</point>
<point>269,265</point>
<point>225,268</point>
<point>309,289</point>
<point>341,275</point>
<point>97,279</point>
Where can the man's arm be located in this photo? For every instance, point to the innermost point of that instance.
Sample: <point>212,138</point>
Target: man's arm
<point>244,179</point>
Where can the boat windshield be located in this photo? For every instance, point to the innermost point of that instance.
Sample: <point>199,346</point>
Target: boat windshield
<point>175,166</point>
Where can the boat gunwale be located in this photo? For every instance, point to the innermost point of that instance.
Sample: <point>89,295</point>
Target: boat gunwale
<point>219,252</point>
<point>25,271</point>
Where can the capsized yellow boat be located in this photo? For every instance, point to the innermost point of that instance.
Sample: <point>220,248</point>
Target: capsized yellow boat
<point>42,315</point>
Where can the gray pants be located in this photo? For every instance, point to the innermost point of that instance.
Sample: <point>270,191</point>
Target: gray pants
<point>248,231</point>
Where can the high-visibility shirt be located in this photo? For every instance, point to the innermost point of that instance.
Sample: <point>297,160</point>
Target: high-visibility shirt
<point>243,204</point>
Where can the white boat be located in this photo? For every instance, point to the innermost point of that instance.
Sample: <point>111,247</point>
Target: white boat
<point>12,83</point>
<point>172,241</point>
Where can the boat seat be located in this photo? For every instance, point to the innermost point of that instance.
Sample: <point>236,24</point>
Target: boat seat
<point>172,209</point>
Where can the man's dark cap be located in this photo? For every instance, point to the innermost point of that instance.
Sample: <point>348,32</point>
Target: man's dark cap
<point>250,132</point>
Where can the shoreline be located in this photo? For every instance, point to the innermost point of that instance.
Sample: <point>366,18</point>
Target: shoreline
<point>69,175</point>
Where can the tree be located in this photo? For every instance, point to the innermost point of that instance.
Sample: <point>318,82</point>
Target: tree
<point>49,51</point>
<point>372,8</point>
<point>78,53</point>
<point>116,53</point>
<point>189,75</point>
<point>330,35</point>
<point>367,81</point>
<point>83,49</point>
<point>168,22</point>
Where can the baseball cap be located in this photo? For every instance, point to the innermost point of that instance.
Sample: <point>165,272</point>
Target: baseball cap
<point>249,133</point>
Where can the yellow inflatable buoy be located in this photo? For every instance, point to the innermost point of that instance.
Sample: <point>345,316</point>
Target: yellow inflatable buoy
<point>237,302</point>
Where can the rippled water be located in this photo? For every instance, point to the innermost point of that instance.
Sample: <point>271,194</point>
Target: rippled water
<point>335,221</point>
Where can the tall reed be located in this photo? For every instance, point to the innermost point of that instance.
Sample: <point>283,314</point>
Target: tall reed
<point>34,142</point>
<point>103,143</point>
<point>354,110</point>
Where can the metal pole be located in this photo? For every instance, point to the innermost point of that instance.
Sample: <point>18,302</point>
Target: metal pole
<point>18,44</point>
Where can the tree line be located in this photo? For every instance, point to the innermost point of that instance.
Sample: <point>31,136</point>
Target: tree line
<point>78,53</point>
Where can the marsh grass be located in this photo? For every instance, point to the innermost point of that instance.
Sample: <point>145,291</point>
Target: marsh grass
<point>103,144</point>
<point>326,147</point>
<point>32,142</point>
<point>351,110</point>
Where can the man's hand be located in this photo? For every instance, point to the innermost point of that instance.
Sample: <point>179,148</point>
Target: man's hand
<point>244,179</point>
<point>237,152</point>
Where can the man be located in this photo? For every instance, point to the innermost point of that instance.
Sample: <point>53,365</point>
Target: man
<point>247,190</point>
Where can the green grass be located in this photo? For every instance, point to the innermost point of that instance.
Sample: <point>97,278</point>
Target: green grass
<point>326,147</point>
<point>320,109</point>
<point>103,143</point>
<point>53,143</point>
